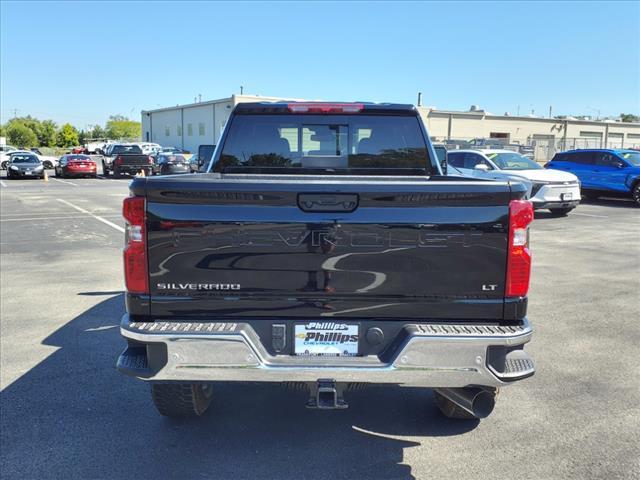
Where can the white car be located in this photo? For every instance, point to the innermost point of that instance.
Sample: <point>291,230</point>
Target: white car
<point>47,160</point>
<point>5,150</point>
<point>555,190</point>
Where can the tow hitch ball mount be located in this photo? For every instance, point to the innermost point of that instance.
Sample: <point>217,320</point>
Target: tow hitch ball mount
<point>326,394</point>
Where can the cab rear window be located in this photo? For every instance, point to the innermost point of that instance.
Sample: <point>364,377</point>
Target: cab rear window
<point>356,144</point>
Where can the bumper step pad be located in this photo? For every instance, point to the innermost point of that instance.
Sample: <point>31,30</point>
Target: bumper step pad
<point>517,365</point>
<point>133,361</point>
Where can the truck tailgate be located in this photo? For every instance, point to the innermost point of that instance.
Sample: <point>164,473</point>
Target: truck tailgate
<point>338,247</point>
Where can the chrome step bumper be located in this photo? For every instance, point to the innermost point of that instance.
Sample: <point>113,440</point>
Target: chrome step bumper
<point>432,356</point>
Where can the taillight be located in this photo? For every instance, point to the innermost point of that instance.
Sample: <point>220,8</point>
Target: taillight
<point>135,250</point>
<point>317,107</point>
<point>150,160</point>
<point>519,259</point>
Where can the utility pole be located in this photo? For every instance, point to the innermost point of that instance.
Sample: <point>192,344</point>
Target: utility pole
<point>199,98</point>
<point>550,111</point>
<point>15,112</point>
<point>518,114</point>
<point>419,99</point>
<point>241,89</point>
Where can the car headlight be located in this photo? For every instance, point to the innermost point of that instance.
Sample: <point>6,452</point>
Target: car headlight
<point>39,168</point>
<point>13,167</point>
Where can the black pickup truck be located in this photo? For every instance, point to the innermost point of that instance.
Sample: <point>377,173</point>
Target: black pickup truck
<point>325,249</point>
<point>127,159</point>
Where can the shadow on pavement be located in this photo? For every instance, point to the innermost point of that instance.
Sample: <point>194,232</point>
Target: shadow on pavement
<point>74,416</point>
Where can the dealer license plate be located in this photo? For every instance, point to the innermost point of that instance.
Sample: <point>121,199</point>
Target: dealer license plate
<point>566,196</point>
<point>326,339</point>
<point>27,173</point>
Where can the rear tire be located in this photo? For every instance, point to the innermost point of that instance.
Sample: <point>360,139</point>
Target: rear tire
<point>635,194</point>
<point>560,212</point>
<point>451,410</point>
<point>181,399</point>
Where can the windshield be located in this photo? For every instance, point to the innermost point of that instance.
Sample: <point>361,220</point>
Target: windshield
<point>632,157</point>
<point>512,161</point>
<point>24,159</point>
<point>356,144</point>
<point>133,149</point>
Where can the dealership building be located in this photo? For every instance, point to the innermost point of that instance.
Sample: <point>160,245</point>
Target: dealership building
<point>188,126</point>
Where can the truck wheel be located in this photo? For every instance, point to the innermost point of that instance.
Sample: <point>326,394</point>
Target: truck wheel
<point>105,170</point>
<point>451,410</point>
<point>560,212</point>
<point>635,194</point>
<point>181,399</point>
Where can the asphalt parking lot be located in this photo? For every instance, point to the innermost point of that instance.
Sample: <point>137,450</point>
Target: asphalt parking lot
<point>67,413</point>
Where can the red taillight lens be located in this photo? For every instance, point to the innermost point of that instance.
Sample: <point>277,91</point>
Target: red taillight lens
<point>519,259</point>
<point>317,107</point>
<point>135,250</point>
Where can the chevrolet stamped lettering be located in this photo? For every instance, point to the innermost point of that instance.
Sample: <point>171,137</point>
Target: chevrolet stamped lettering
<point>325,247</point>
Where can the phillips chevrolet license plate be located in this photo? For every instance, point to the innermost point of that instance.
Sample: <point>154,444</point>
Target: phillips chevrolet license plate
<point>326,339</point>
<point>566,196</point>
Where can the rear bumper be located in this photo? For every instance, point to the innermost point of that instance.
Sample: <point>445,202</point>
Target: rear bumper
<point>552,205</point>
<point>430,355</point>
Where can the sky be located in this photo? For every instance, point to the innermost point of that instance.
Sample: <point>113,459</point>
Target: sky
<point>80,62</point>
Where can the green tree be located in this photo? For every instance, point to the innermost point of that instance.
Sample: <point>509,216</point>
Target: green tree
<point>47,134</point>
<point>68,136</point>
<point>98,132</point>
<point>20,135</point>
<point>119,127</point>
<point>629,117</point>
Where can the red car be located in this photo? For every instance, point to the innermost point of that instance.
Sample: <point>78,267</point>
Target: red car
<point>76,166</point>
<point>79,150</point>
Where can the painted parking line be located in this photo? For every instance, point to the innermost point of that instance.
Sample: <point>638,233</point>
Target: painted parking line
<point>68,217</point>
<point>589,215</point>
<point>100,219</point>
<point>64,181</point>
<point>3,184</point>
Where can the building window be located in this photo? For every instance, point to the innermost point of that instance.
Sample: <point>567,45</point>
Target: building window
<point>179,129</point>
<point>201,129</point>
<point>167,131</point>
<point>591,134</point>
<point>498,135</point>
<point>633,135</point>
<point>190,129</point>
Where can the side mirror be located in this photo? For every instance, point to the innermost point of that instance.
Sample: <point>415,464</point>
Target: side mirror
<point>481,166</point>
<point>619,164</point>
<point>444,165</point>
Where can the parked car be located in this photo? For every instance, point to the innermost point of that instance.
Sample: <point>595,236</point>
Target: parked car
<point>326,262</point>
<point>79,150</point>
<point>559,192</point>
<point>72,165</point>
<point>602,171</point>
<point>129,160</point>
<point>124,149</point>
<point>5,150</point>
<point>24,165</point>
<point>170,164</point>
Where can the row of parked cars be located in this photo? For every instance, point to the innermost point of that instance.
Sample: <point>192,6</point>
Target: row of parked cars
<point>562,182</point>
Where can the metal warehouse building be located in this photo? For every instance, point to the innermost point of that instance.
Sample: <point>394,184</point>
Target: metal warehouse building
<point>191,125</point>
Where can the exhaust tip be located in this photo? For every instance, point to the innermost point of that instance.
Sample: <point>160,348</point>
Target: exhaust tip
<point>483,404</point>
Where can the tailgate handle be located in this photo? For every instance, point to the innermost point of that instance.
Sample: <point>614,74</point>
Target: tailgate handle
<point>328,202</point>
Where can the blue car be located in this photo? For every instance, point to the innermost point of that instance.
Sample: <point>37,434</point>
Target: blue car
<point>602,171</point>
